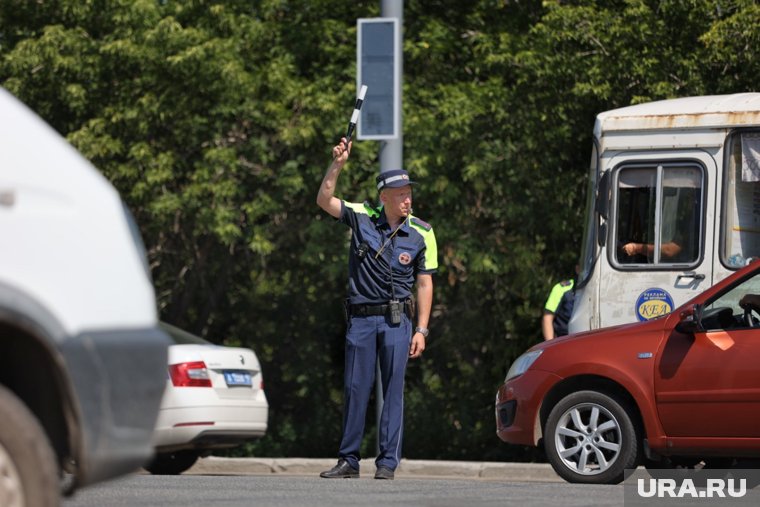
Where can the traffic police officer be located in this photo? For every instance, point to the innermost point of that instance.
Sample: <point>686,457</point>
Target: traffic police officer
<point>390,250</point>
<point>558,310</point>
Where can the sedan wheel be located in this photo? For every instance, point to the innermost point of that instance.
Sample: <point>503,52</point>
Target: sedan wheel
<point>590,438</point>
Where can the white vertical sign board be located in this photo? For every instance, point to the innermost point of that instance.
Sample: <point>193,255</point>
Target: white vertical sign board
<point>378,66</point>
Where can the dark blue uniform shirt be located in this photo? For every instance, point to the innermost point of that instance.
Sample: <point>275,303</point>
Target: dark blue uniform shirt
<point>410,251</point>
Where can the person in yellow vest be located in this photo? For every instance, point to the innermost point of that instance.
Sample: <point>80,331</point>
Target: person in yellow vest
<point>558,309</point>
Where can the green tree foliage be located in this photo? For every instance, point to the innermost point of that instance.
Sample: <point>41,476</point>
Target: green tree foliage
<point>215,121</point>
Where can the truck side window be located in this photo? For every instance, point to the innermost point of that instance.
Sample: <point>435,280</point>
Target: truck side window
<point>658,215</point>
<point>741,213</point>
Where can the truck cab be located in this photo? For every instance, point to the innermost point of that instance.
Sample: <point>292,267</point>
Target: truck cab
<point>673,206</point>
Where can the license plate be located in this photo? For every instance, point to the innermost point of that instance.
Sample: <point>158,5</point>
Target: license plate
<point>237,378</point>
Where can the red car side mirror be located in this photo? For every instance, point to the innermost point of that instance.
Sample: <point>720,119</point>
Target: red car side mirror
<point>690,320</point>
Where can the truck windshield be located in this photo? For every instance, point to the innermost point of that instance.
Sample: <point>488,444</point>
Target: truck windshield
<point>741,202</point>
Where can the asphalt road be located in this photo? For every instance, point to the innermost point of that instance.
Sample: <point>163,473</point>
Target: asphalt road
<point>295,482</point>
<point>281,490</point>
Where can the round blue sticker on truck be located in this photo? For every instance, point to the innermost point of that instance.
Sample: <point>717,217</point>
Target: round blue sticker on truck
<point>653,303</point>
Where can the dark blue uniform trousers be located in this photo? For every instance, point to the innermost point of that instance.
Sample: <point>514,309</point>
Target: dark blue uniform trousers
<point>367,339</point>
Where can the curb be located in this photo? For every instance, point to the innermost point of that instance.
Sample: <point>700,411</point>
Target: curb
<point>538,472</point>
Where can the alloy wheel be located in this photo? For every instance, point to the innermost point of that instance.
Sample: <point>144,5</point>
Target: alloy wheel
<point>588,439</point>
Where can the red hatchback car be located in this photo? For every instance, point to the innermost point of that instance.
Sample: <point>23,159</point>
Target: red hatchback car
<point>674,391</point>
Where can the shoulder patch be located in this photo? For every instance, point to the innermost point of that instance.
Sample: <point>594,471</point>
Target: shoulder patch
<point>421,223</point>
<point>364,207</point>
<point>371,210</point>
<point>565,283</point>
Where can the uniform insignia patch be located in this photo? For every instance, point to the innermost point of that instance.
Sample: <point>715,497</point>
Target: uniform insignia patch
<point>404,258</point>
<point>565,283</point>
<point>371,210</point>
<point>421,223</point>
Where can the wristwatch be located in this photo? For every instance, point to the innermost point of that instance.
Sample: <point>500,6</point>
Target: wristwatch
<point>422,330</point>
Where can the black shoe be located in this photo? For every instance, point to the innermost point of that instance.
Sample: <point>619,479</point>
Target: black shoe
<point>384,473</point>
<point>341,471</point>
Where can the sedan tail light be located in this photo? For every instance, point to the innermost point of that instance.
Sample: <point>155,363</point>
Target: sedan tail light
<point>192,374</point>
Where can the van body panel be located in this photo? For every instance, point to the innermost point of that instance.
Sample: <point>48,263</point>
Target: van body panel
<point>710,111</point>
<point>628,293</point>
<point>61,212</point>
<point>119,377</point>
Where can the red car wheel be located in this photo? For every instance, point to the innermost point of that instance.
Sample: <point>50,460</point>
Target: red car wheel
<point>590,438</point>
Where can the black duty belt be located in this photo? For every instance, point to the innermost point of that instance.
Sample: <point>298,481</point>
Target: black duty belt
<point>381,309</point>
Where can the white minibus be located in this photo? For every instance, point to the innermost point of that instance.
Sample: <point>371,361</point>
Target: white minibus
<point>673,206</point>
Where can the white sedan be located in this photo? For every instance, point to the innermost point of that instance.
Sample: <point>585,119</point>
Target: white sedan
<point>214,399</point>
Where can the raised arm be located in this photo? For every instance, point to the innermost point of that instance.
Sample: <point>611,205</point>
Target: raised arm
<point>326,197</point>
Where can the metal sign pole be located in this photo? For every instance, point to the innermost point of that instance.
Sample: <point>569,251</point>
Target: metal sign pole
<point>391,153</point>
<point>392,150</point>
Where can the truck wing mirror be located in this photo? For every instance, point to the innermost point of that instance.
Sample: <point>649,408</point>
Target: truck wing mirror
<point>690,320</point>
<point>602,205</point>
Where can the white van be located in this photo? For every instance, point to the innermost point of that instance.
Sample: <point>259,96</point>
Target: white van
<point>82,360</point>
<point>673,206</point>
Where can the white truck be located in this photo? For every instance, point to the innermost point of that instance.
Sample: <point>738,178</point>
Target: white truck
<point>673,206</point>
<point>82,360</point>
